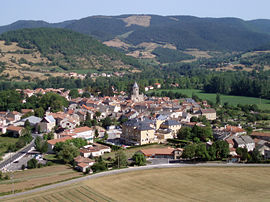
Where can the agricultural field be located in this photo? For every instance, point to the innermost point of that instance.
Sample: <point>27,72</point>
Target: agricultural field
<point>233,100</point>
<point>170,184</point>
<point>5,142</point>
<point>29,179</point>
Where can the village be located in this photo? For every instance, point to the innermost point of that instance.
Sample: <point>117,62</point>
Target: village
<point>126,122</point>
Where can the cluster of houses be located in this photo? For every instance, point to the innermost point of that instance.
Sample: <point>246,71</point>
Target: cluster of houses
<point>93,75</point>
<point>146,120</point>
<point>237,137</point>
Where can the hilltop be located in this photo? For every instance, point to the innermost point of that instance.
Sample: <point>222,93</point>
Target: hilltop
<point>52,50</point>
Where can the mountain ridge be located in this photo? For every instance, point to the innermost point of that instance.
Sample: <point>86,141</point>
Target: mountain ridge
<point>182,31</point>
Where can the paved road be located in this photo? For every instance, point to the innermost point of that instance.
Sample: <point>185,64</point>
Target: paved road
<point>113,172</point>
<point>19,153</point>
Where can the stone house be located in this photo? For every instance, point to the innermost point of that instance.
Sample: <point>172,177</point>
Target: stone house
<point>47,124</point>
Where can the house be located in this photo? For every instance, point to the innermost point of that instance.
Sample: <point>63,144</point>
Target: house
<point>244,142</point>
<point>51,143</point>
<point>231,147</point>
<point>84,132</point>
<point>235,130</point>
<point>94,150</point>
<point>172,125</point>
<point>137,132</point>
<point>33,120</point>
<point>261,136</point>
<point>15,130</point>
<point>26,111</point>
<point>210,114</point>
<point>83,163</point>
<point>157,85</point>
<point>47,124</point>
<point>13,116</point>
<point>169,153</point>
<point>68,123</point>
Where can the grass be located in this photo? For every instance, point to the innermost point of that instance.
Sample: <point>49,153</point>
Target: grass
<point>263,104</point>
<point>170,184</point>
<point>129,152</point>
<point>5,142</point>
<point>29,179</point>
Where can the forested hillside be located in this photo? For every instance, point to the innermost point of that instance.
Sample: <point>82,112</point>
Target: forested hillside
<point>231,34</point>
<point>69,50</point>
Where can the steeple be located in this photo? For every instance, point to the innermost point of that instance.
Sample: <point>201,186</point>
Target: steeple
<point>135,85</point>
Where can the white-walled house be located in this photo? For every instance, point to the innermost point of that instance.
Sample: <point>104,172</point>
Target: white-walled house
<point>84,132</point>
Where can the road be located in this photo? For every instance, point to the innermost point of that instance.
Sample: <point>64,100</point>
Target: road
<point>18,154</point>
<point>113,172</point>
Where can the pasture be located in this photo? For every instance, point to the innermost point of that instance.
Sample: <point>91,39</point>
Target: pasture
<point>170,184</point>
<point>263,104</point>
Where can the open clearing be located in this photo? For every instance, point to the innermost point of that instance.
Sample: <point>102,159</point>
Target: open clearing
<point>233,100</point>
<point>169,184</point>
<point>29,179</point>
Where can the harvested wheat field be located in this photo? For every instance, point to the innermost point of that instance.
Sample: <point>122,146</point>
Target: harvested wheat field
<point>29,179</point>
<point>170,184</point>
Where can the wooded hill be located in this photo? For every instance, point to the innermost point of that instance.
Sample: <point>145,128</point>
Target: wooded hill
<point>230,34</point>
<point>68,49</point>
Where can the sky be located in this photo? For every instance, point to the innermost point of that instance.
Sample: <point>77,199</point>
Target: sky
<point>61,10</point>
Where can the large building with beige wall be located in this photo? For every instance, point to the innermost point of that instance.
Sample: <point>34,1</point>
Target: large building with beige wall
<point>136,132</point>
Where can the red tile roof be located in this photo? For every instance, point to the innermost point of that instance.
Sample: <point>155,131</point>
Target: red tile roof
<point>54,141</point>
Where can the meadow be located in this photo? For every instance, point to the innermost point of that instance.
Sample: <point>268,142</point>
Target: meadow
<point>263,104</point>
<point>5,142</point>
<point>170,184</point>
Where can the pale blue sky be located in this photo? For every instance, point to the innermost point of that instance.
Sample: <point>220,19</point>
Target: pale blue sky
<point>60,10</point>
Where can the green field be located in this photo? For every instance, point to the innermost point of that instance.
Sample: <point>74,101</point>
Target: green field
<point>233,100</point>
<point>170,184</point>
<point>5,142</point>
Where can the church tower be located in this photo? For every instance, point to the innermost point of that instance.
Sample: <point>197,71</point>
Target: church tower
<point>136,89</point>
<point>136,97</point>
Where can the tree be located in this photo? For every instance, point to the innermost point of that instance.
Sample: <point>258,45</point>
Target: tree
<point>74,93</point>
<point>120,159</point>
<point>96,133</point>
<point>38,143</point>
<point>32,163</point>
<point>67,153</point>
<point>184,133</point>
<point>218,100</point>
<point>222,149</point>
<point>99,166</point>
<point>39,112</point>
<point>243,153</point>
<point>139,159</point>
<point>106,122</point>
<point>97,114</point>
<point>77,142</point>
<point>256,156</point>
<point>105,136</point>
<point>201,152</point>
<point>44,147</point>
<point>189,151</point>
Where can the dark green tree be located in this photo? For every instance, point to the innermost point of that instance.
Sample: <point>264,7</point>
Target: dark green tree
<point>139,159</point>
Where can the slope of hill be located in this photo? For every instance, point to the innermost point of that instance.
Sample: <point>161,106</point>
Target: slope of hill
<point>21,24</point>
<point>58,50</point>
<point>184,32</point>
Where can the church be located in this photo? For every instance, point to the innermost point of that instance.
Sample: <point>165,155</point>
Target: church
<point>136,96</point>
